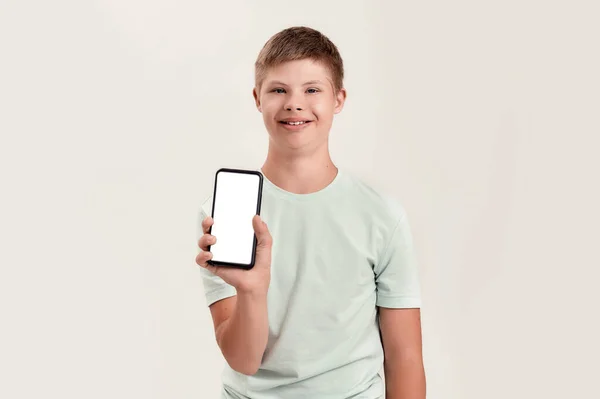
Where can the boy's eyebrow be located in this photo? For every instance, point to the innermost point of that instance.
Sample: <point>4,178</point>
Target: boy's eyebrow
<point>311,82</point>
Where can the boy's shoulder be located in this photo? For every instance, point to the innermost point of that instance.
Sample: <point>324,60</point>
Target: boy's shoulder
<point>206,205</point>
<point>370,194</point>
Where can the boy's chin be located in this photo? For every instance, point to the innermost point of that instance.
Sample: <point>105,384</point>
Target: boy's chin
<point>295,141</point>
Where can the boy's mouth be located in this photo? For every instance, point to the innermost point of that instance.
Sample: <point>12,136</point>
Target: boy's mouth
<point>294,123</point>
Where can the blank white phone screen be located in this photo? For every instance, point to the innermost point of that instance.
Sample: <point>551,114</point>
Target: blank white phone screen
<point>235,204</point>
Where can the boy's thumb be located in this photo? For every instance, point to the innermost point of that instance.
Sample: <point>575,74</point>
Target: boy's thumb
<point>261,230</point>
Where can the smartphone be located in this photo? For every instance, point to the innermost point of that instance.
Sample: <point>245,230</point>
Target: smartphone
<point>236,199</point>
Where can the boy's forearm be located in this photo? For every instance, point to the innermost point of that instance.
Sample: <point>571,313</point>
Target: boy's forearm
<point>404,379</point>
<point>243,337</point>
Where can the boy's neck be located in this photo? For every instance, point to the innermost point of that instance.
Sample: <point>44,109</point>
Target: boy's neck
<point>302,175</point>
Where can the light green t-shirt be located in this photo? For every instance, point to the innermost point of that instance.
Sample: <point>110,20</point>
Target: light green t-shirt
<point>337,255</point>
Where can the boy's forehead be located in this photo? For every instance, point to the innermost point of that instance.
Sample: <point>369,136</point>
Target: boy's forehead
<point>298,71</point>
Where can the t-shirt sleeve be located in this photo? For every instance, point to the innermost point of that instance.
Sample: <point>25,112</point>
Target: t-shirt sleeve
<point>396,274</point>
<point>215,288</point>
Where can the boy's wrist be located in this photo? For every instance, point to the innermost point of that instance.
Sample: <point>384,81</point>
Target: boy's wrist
<point>253,291</point>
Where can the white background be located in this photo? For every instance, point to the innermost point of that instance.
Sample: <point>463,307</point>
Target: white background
<point>481,117</point>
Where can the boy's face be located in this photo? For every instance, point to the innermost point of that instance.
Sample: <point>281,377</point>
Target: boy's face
<point>302,91</point>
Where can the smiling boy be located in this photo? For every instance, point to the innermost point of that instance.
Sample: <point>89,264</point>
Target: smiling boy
<point>334,293</point>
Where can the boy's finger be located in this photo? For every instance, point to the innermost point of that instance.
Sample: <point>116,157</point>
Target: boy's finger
<point>261,230</point>
<point>257,224</point>
<point>206,240</point>
<point>202,258</point>
<point>206,223</point>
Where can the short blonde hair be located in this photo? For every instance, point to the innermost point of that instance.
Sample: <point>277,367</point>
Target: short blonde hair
<point>298,43</point>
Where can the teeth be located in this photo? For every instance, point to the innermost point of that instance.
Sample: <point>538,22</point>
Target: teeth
<point>295,123</point>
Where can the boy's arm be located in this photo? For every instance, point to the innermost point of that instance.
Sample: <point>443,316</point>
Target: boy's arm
<point>242,329</point>
<point>403,358</point>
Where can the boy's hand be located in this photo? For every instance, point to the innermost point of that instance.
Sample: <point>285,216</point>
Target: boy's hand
<point>255,280</point>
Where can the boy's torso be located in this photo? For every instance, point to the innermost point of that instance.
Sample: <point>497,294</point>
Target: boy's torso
<point>323,333</point>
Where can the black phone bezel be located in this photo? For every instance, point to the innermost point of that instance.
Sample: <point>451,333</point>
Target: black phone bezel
<point>258,207</point>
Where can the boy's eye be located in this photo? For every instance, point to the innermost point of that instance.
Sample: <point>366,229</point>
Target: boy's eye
<point>279,90</point>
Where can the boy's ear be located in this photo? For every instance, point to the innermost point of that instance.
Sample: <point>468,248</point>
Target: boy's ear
<point>340,99</point>
<point>256,99</point>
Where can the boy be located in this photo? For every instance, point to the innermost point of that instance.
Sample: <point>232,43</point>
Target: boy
<point>334,292</point>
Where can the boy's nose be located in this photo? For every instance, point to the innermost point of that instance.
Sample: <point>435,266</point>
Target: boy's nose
<point>290,107</point>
